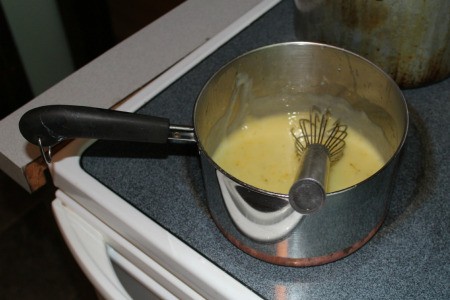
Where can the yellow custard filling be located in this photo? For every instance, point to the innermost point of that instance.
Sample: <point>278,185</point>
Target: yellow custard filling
<point>262,153</point>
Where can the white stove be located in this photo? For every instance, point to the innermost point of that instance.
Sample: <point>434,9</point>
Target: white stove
<point>135,218</point>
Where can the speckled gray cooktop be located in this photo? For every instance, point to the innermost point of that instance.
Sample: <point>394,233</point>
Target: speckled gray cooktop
<point>409,258</point>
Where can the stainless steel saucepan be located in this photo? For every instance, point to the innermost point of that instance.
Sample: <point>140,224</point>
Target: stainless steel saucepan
<point>266,81</point>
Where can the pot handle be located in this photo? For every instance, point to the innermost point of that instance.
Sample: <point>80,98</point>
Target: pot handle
<point>46,126</point>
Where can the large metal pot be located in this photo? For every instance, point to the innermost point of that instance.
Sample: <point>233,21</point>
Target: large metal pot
<point>266,81</point>
<point>409,40</point>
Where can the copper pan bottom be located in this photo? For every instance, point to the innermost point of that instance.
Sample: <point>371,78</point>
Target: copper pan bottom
<point>282,260</point>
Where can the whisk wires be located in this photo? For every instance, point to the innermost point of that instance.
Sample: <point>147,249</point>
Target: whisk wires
<point>319,129</point>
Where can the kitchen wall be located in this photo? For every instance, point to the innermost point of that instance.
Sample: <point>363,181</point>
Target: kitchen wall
<point>43,41</point>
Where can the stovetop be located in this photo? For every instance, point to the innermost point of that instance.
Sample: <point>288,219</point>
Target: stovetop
<point>408,258</point>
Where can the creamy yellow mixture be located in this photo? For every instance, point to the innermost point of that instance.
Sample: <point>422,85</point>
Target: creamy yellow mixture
<point>262,153</point>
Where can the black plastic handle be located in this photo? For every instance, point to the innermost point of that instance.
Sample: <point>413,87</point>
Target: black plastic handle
<point>55,123</point>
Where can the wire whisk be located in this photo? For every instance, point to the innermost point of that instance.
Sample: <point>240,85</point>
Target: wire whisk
<point>319,142</point>
<point>318,129</point>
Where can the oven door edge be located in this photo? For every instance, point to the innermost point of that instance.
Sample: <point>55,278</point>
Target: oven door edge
<point>95,252</point>
<point>104,255</point>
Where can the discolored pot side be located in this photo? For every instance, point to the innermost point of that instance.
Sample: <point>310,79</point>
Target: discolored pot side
<point>409,40</point>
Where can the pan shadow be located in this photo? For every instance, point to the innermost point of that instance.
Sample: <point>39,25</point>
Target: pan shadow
<point>149,154</point>
<point>414,180</point>
<point>121,149</point>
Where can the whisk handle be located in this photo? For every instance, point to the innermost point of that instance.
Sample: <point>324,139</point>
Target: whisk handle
<point>308,193</point>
